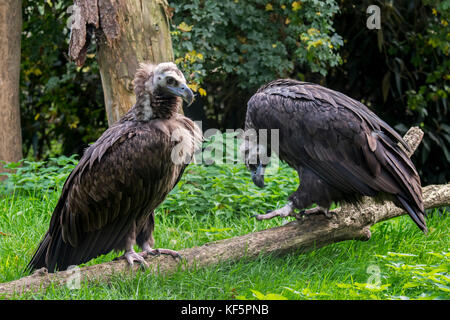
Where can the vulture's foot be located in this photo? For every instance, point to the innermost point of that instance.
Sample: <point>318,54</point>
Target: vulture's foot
<point>285,211</point>
<point>317,210</point>
<point>156,252</point>
<point>131,256</point>
<point>41,272</point>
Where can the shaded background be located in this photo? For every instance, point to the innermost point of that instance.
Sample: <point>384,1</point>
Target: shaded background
<point>227,50</point>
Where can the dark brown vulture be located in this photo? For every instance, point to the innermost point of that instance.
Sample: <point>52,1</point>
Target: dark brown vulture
<point>340,149</point>
<point>108,201</point>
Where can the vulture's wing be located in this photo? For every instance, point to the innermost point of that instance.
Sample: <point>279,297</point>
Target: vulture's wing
<point>336,137</point>
<point>311,92</point>
<point>125,172</point>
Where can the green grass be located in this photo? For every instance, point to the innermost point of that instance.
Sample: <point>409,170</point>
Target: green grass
<point>216,202</point>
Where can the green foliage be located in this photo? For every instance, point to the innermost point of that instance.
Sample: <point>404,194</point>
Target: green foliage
<point>257,40</point>
<point>233,47</point>
<point>226,189</point>
<point>420,67</point>
<point>62,106</point>
<point>25,177</point>
<point>419,281</point>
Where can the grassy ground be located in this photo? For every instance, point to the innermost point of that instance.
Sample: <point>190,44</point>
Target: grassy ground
<point>216,202</point>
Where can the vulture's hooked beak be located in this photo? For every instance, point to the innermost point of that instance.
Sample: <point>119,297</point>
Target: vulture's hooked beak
<point>258,176</point>
<point>182,91</point>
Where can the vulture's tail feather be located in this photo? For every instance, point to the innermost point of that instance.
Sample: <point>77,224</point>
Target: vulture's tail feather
<point>415,214</point>
<point>399,165</point>
<point>38,260</point>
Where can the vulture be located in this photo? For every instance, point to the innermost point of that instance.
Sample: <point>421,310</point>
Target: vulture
<point>109,199</point>
<point>340,149</point>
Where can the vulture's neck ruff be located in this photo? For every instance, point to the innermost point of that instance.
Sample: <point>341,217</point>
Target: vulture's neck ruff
<point>150,107</point>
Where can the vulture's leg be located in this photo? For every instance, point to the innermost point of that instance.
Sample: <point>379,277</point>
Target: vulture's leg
<point>130,255</point>
<point>146,241</point>
<point>311,190</point>
<point>285,211</point>
<point>317,210</point>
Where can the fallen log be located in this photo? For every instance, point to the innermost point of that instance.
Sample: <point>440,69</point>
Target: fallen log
<point>311,232</point>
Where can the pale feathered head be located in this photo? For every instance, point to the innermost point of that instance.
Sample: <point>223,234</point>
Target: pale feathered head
<point>163,79</point>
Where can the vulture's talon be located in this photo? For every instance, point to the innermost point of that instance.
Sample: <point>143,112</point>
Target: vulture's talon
<point>299,215</point>
<point>315,211</point>
<point>262,216</point>
<point>158,252</point>
<point>132,257</point>
<point>177,256</point>
<point>329,214</point>
<point>152,252</point>
<point>174,254</point>
<point>256,216</point>
<point>41,272</point>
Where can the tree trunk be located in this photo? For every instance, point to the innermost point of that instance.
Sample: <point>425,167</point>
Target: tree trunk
<point>10,33</point>
<point>127,32</point>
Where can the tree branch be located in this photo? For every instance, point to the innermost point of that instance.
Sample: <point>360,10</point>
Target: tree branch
<point>302,235</point>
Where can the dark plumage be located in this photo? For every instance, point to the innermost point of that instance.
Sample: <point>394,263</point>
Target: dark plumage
<point>340,149</point>
<point>108,201</point>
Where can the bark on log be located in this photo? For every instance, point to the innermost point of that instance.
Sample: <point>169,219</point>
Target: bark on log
<point>127,32</point>
<point>10,34</point>
<point>311,232</point>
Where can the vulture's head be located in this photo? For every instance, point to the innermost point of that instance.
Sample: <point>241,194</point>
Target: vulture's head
<point>164,79</point>
<point>254,157</point>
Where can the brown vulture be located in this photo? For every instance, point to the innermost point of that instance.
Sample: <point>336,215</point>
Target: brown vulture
<point>340,149</point>
<point>108,201</point>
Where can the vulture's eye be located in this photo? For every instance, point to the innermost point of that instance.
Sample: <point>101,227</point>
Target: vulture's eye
<point>171,81</point>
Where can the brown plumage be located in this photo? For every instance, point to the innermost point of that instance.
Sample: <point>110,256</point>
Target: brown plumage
<point>108,201</point>
<point>340,149</point>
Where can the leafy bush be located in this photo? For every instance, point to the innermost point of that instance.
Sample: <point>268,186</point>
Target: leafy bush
<point>256,41</point>
<point>229,190</point>
<point>37,176</point>
<point>230,48</point>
